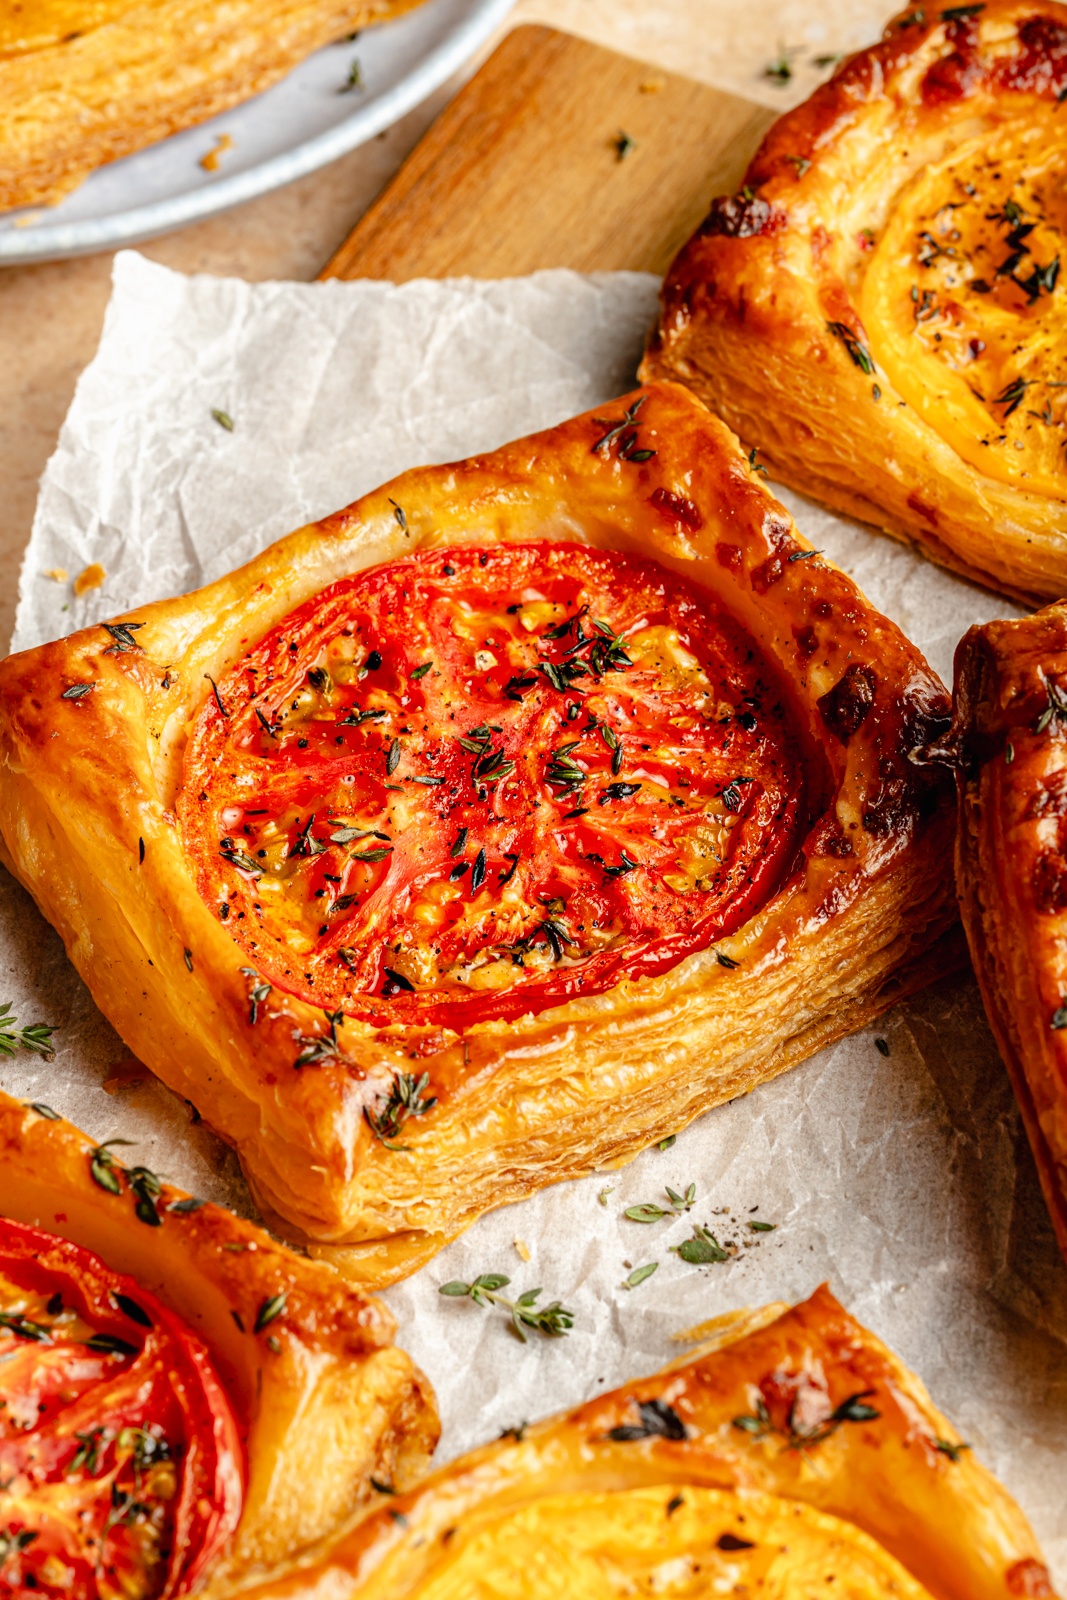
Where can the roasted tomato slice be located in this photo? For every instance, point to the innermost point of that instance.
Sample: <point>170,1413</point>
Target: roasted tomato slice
<point>121,1470</point>
<point>475,782</point>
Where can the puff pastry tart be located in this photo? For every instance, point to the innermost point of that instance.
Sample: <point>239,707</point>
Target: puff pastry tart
<point>83,82</point>
<point>184,1401</point>
<point>1010,735</point>
<point>793,1456</point>
<point>491,829</point>
<point>879,310</point>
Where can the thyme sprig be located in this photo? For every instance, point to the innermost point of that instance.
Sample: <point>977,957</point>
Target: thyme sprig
<point>258,990</point>
<point>563,772</point>
<point>799,1435</point>
<point>321,1046</point>
<point>407,1098</point>
<point>614,427</point>
<point>36,1037</point>
<point>87,1455</point>
<point>1012,395</point>
<point>553,1320</point>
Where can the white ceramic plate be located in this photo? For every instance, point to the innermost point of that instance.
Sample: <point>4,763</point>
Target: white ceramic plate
<point>302,123</point>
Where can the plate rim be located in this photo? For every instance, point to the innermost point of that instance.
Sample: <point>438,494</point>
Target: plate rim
<point>61,240</point>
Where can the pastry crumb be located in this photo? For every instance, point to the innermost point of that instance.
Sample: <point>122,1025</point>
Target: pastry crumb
<point>652,85</point>
<point>124,1075</point>
<point>523,1249</point>
<point>57,574</point>
<point>210,162</point>
<point>91,577</point>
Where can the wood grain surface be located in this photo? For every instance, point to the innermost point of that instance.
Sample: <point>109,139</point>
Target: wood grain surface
<point>558,153</point>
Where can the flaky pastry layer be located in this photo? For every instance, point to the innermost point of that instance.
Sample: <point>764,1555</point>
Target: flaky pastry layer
<point>87,795</point>
<point>93,82</point>
<point>1010,736</point>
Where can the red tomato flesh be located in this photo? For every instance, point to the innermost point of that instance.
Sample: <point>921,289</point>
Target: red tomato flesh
<point>479,781</point>
<point>121,1470</point>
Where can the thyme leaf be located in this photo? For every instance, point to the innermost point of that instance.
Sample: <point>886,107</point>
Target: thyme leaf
<point>238,858</point>
<point>122,634</point>
<point>102,1166</point>
<point>639,1274</point>
<point>270,1310</point>
<point>702,1249</point>
<point>658,1421</point>
<point>109,1344</point>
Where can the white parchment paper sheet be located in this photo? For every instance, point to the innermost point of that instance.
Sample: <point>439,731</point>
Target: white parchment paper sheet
<point>904,1179</point>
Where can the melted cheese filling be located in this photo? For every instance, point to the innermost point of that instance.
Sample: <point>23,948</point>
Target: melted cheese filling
<point>668,1540</point>
<point>963,301</point>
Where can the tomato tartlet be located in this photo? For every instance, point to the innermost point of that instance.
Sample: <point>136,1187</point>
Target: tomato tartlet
<point>491,829</point>
<point>183,1401</point>
<point>879,308</point>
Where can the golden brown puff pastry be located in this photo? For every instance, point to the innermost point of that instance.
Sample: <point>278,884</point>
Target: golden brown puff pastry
<point>322,1402</point>
<point>83,82</point>
<point>879,310</point>
<point>792,1456</point>
<point>1010,734</point>
<point>491,829</point>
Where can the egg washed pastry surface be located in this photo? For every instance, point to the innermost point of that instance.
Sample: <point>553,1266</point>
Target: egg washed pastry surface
<point>491,829</point>
<point>183,1401</point>
<point>1010,741</point>
<point>795,1457</point>
<point>83,82</point>
<point>880,308</point>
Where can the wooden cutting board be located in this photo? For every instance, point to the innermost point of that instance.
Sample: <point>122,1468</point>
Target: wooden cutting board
<point>558,153</point>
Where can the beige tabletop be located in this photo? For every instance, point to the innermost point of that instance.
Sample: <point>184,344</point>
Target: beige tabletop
<point>50,315</point>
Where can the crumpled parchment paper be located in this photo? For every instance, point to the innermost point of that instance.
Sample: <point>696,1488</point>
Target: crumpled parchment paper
<point>903,1178</point>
